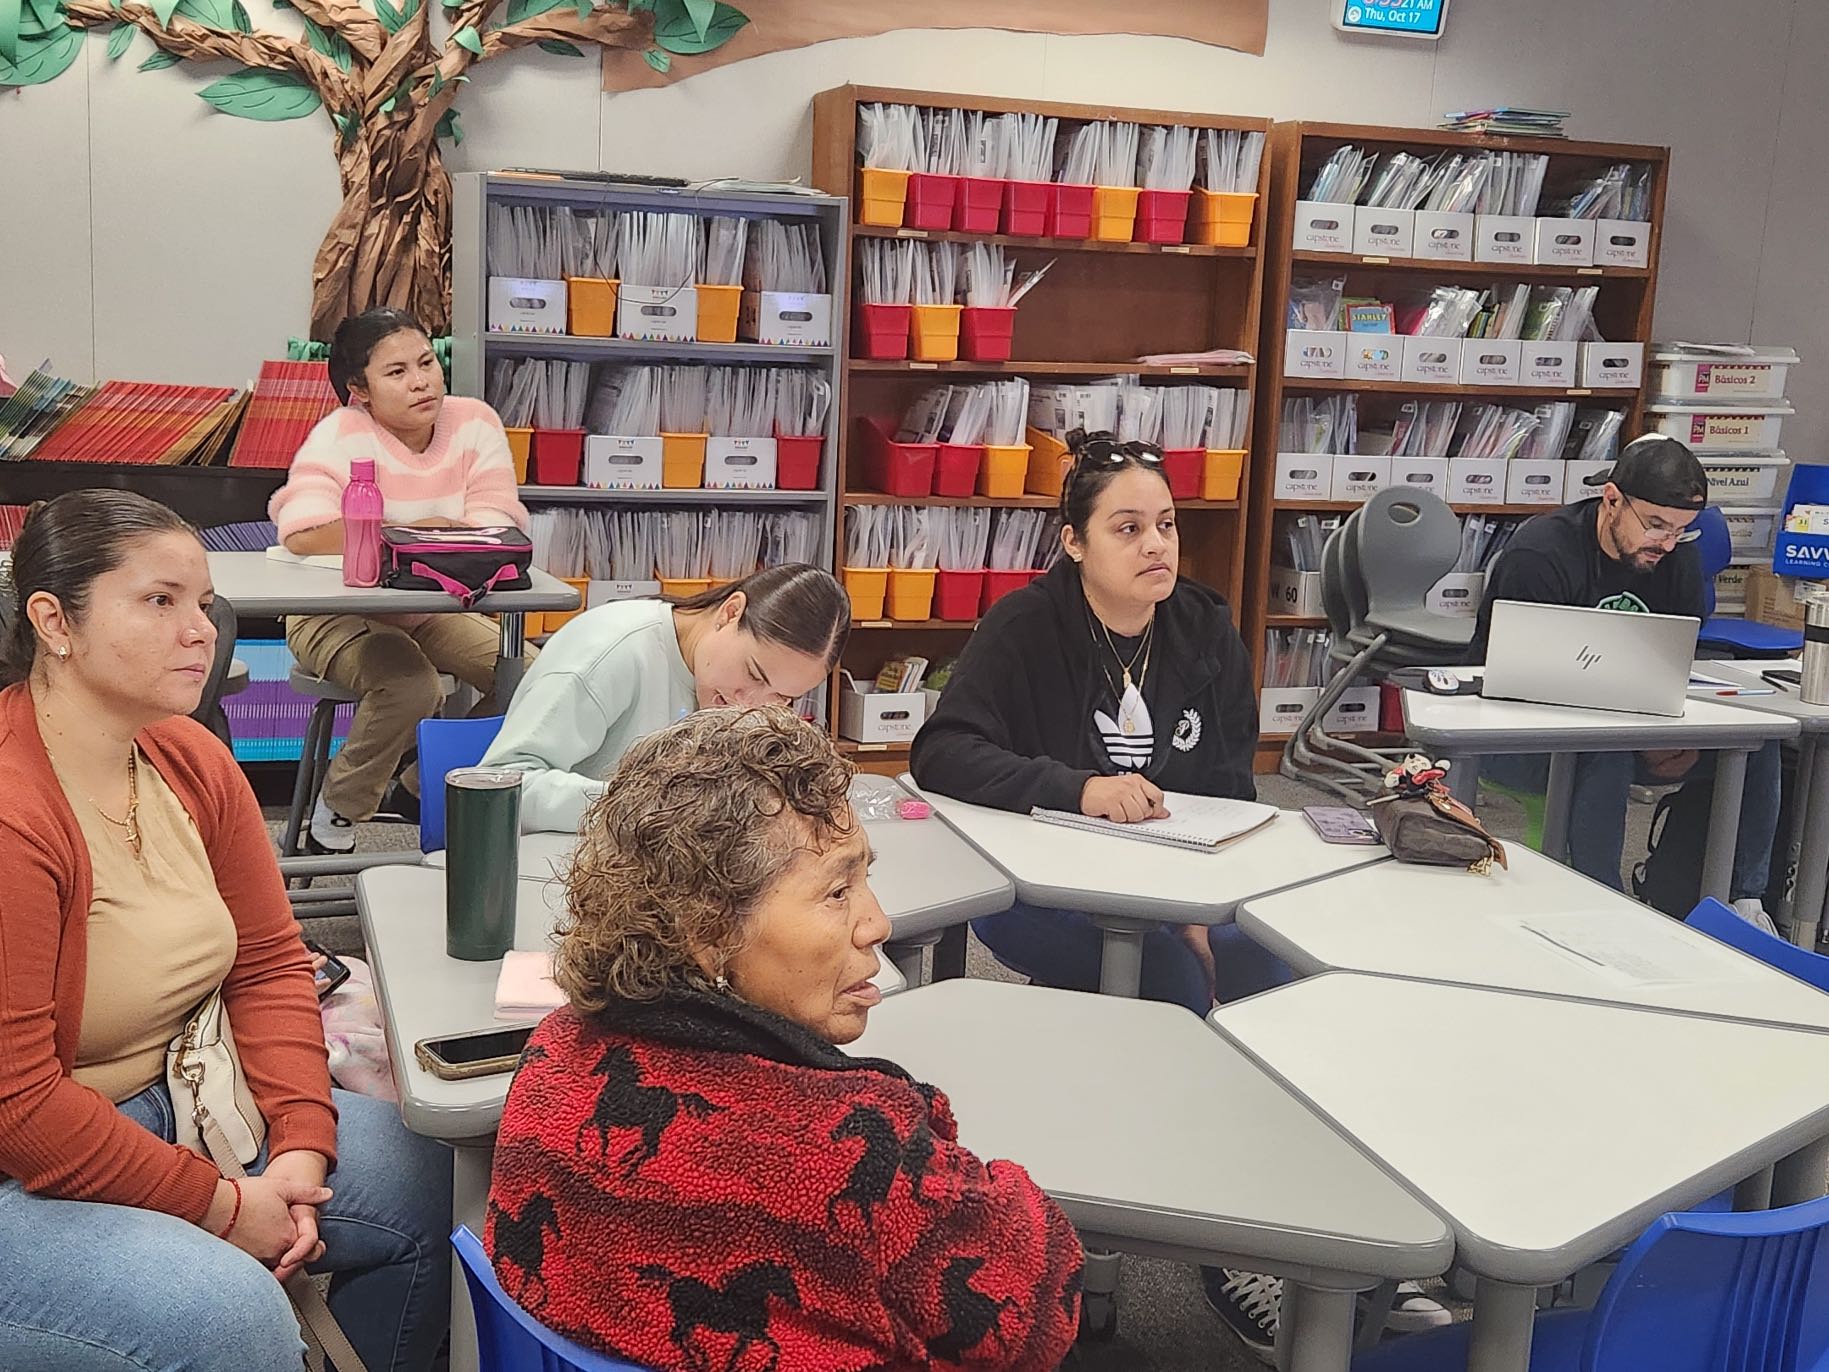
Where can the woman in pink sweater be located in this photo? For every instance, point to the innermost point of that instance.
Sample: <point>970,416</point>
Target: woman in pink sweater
<point>439,460</point>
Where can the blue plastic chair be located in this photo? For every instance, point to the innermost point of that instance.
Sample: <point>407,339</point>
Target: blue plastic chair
<point>508,1339</point>
<point>1722,924</point>
<point>444,744</point>
<point>1740,1292</point>
<point>1743,637</point>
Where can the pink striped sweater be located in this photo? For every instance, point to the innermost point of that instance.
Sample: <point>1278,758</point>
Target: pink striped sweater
<point>465,474</point>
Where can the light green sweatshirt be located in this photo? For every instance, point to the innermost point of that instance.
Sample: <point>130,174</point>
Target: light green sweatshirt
<point>609,677</point>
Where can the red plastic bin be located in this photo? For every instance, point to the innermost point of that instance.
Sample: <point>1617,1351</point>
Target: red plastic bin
<point>957,595</point>
<point>986,332</point>
<point>905,469</point>
<point>956,468</point>
<point>979,204</point>
<point>558,457</point>
<point>1182,467</point>
<point>930,201</point>
<point>797,461</point>
<point>1025,207</point>
<point>997,585</point>
<point>1162,216</point>
<point>1069,212</point>
<point>881,331</point>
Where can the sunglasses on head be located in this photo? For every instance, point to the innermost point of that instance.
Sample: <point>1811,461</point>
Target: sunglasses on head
<point>1104,449</point>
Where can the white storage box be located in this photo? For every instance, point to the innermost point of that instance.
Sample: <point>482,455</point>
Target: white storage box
<point>1295,593</point>
<point>1433,361</point>
<point>1731,380</point>
<point>1323,227</point>
<point>1314,353</point>
<point>603,592</point>
<point>1280,709</point>
<point>1443,237</point>
<point>739,463</point>
<point>1360,478</point>
<point>614,463</point>
<point>1476,481</point>
<point>1565,242</point>
<point>525,305</point>
<point>1575,480</point>
<point>657,314</point>
<point>1534,481</point>
<point>1608,365</point>
<point>867,715</point>
<point>1750,428</point>
<point>1491,361</point>
<point>786,318</point>
<point>1383,233</point>
<point>1356,712</point>
<point>1742,480</point>
<point>1622,243</point>
<point>1504,238</point>
<point>1548,363</point>
<point>1303,476</point>
<point>1428,474</point>
<point>1751,530</point>
<point>1458,594</point>
<point>1730,589</point>
<point>1374,356</point>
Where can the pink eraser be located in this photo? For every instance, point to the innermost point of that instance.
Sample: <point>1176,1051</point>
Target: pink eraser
<point>914,809</point>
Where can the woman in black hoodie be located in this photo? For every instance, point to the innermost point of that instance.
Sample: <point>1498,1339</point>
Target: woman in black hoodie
<point>1096,689</point>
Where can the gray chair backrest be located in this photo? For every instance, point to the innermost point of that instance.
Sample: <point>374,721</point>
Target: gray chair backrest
<point>1342,597</point>
<point>222,615</point>
<point>1408,541</point>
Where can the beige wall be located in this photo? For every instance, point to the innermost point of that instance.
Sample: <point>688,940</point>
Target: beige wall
<point>144,236</point>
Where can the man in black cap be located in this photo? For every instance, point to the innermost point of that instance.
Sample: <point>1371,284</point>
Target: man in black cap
<point>1627,548</point>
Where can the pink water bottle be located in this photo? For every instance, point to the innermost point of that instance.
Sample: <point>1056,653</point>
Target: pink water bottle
<point>362,510</point>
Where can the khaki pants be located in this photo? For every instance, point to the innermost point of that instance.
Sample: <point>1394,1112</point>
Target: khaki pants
<point>395,671</point>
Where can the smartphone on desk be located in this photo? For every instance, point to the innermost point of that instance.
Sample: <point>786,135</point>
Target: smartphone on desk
<point>479,1053</point>
<point>1341,824</point>
<point>1784,677</point>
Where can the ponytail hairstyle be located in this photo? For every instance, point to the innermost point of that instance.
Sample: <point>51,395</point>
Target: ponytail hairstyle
<point>64,545</point>
<point>796,606</point>
<point>356,340</point>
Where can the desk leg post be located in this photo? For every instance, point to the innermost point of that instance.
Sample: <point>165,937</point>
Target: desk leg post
<point>1502,1319</point>
<point>1755,1193</point>
<point>1121,962</point>
<point>1799,1178</point>
<point>511,658</point>
<point>1320,1328</point>
<point>1099,1288</point>
<point>1558,800</point>
<point>1380,1302</point>
<point>1724,824</point>
<point>1464,779</point>
<point>907,960</point>
<point>1802,920</point>
<point>949,954</point>
<point>471,1165</point>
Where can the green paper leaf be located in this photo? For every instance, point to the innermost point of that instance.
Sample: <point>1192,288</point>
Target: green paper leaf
<point>675,31</point>
<point>391,19</point>
<point>41,59</point>
<point>330,45</point>
<point>159,61</point>
<point>49,13</point>
<point>387,105</point>
<point>268,96</point>
<point>9,30</point>
<point>163,10</point>
<point>346,126</point>
<point>448,127</point>
<point>558,47</point>
<point>526,9</point>
<point>243,24</point>
<point>701,13</point>
<point>463,80</point>
<point>468,37</point>
<point>215,14</point>
<point>119,41</point>
<point>437,83</point>
<point>584,8</point>
<point>658,59</point>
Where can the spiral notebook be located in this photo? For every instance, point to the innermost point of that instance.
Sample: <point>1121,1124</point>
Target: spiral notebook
<point>1198,822</point>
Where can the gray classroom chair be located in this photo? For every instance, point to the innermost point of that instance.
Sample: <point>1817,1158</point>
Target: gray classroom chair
<point>1376,574</point>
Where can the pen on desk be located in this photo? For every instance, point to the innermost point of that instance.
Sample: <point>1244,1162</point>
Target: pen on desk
<point>1748,691</point>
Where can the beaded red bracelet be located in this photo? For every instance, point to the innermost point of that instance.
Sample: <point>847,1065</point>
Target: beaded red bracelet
<point>234,1214</point>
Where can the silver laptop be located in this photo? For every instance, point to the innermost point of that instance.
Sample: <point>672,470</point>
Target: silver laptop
<point>1599,659</point>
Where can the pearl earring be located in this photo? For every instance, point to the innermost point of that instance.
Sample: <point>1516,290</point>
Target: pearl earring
<point>63,652</point>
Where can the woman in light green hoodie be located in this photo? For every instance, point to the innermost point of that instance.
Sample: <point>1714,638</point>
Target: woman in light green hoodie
<point>627,669</point>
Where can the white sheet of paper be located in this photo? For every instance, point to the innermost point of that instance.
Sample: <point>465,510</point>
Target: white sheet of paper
<point>334,561</point>
<point>1639,950</point>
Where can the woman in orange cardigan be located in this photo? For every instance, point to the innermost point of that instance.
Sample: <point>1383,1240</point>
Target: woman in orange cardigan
<point>139,878</point>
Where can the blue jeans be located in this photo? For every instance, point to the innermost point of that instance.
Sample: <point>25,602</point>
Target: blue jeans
<point>1063,949</point>
<point>1597,810</point>
<point>88,1287</point>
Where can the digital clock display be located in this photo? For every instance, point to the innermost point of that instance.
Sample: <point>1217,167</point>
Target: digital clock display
<point>1400,18</point>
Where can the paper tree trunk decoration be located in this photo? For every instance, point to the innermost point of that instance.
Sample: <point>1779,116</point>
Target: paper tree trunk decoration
<point>388,86</point>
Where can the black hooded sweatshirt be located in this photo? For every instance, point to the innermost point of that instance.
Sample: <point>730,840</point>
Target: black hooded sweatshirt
<point>1014,727</point>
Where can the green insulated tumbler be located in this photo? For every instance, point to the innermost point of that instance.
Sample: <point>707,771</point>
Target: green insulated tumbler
<point>482,848</point>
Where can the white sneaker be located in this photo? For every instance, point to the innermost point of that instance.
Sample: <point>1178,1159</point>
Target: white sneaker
<point>1753,912</point>
<point>329,831</point>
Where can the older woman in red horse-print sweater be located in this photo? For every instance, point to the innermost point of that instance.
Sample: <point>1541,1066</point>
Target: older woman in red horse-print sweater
<point>690,1172</point>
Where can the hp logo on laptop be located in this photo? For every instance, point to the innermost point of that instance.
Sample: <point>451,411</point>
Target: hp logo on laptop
<point>1586,658</point>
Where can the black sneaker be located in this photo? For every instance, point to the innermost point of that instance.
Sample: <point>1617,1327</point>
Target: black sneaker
<point>1249,1303</point>
<point>398,806</point>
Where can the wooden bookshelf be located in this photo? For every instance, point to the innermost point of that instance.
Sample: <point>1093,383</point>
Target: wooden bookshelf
<point>1623,312</point>
<point>1102,305</point>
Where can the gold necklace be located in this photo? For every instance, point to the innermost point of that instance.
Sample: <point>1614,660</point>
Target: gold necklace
<point>132,822</point>
<point>1149,636</point>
